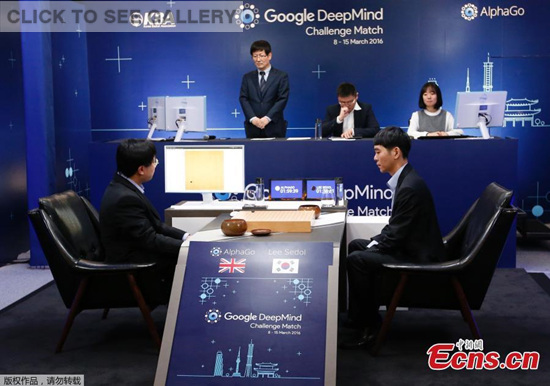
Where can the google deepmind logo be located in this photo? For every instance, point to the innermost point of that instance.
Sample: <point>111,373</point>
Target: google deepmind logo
<point>247,16</point>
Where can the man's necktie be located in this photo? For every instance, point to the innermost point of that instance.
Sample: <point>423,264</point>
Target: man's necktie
<point>262,81</point>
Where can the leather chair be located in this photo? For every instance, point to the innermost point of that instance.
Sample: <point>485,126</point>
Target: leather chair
<point>67,227</point>
<point>460,281</point>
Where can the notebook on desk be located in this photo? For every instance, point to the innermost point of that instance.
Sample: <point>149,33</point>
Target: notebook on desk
<point>445,137</point>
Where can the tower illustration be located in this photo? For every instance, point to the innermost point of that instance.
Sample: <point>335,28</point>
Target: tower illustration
<point>218,367</point>
<point>488,75</point>
<point>237,364</point>
<point>249,355</point>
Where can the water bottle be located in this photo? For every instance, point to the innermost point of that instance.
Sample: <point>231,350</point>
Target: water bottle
<point>259,189</point>
<point>318,128</point>
<point>339,197</point>
<point>255,191</point>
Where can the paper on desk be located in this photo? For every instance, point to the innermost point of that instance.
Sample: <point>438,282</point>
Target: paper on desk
<point>297,138</point>
<point>341,139</point>
<point>262,139</point>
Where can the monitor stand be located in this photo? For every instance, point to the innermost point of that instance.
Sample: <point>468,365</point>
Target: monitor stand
<point>179,134</point>
<point>152,129</point>
<point>483,127</point>
<point>207,198</point>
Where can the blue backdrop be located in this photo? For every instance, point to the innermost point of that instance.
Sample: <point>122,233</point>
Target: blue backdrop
<point>14,237</point>
<point>503,47</point>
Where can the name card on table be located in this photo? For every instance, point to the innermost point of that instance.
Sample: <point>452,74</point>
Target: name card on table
<point>250,312</point>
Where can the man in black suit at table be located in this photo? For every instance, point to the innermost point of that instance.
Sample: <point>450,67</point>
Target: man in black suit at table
<point>412,234</point>
<point>130,227</point>
<point>339,120</point>
<point>264,94</point>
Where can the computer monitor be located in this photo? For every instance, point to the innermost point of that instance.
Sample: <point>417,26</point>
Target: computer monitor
<point>184,114</point>
<point>286,189</point>
<point>204,169</point>
<point>480,110</point>
<point>320,189</point>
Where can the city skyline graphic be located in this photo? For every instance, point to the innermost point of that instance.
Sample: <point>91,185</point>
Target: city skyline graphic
<point>251,369</point>
<point>518,111</point>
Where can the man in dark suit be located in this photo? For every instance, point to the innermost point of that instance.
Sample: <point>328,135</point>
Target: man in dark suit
<point>349,118</point>
<point>412,234</point>
<point>264,94</point>
<point>131,229</point>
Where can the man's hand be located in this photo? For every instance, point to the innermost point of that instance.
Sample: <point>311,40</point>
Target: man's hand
<point>264,122</point>
<point>258,123</point>
<point>344,112</point>
<point>347,134</point>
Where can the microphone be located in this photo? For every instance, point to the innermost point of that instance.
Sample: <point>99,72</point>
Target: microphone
<point>207,137</point>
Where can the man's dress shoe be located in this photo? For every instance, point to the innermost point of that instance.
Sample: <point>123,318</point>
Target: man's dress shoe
<point>365,339</point>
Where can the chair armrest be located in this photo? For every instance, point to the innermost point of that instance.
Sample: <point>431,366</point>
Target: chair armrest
<point>443,267</point>
<point>101,267</point>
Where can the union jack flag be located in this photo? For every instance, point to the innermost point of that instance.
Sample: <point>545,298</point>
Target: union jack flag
<point>232,265</point>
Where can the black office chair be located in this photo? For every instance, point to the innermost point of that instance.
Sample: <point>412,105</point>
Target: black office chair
<point>460,282</point>
<point>67,227</point>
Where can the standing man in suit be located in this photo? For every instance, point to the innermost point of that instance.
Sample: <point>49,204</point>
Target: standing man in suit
<point>349,118</point>
<point>264,94</point>
<point>130,227</point>
<point>412,235</point>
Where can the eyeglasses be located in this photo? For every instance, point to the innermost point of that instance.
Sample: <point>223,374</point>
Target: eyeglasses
<point>259,56</point>
<point>155,162</point>
<point>341,102</point>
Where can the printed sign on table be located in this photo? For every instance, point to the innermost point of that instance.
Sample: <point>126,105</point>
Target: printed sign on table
<point>252,312</point>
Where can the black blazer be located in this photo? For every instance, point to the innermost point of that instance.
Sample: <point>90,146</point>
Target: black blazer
<point>365,122</point>
<point>131,229</point>
<point>413,230</point>
<point>270,103</point>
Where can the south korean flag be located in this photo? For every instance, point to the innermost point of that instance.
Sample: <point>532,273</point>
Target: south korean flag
<point>285,266</point>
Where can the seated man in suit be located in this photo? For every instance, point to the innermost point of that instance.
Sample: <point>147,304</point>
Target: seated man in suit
<point>130,227</point>
<point>264,94</point>
<point>412,235</point>
<point>339,120</point>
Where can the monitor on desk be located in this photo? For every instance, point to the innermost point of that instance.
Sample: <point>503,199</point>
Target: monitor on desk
<point>204,169</point>
<point>300,189</point>
<point>320,189</point>
<point>183,114</point>
<point>286,189</point>
<point>480,110</point>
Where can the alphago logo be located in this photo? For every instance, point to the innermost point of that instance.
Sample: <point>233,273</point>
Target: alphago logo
<point>247,16</point>
<point>215,252</point>
<point>470,12</point>
<point>212,316</point>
